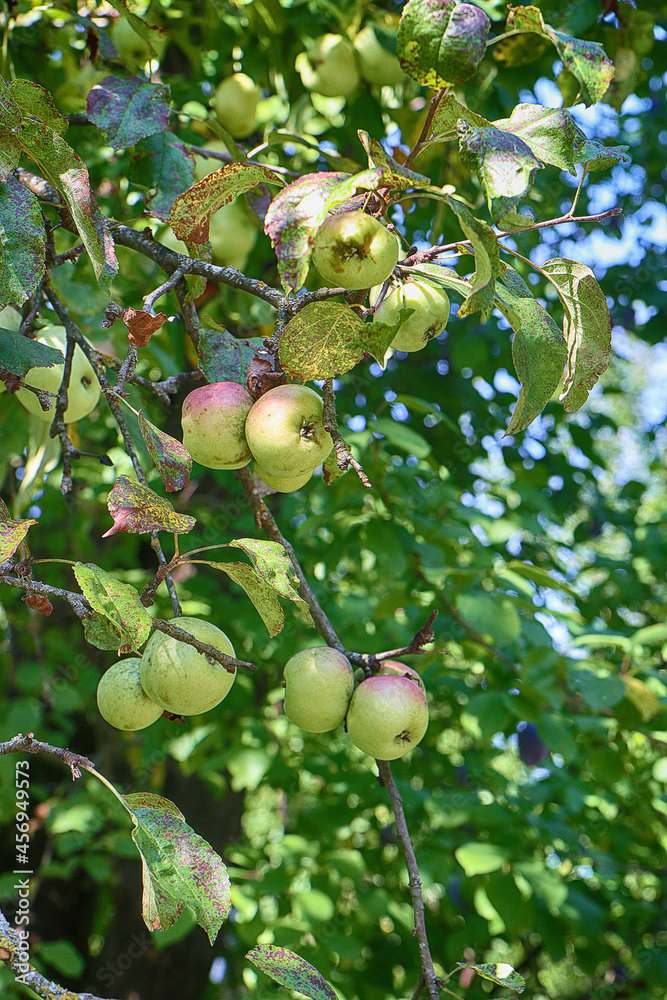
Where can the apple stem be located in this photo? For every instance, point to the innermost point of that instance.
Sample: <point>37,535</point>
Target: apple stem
<point>344,457</point>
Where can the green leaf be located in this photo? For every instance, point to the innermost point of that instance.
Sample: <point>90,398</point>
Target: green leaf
<point>401,436</point>
<point>540,577</point>
<point>19,354</point>
<point>128,110</point>
<point>596,156</point>
<point>500,973</point>
<point>480,858</point>
<point>22,243</point>
<point>192,210</point>
<point>448,113</point>
<point>117,602</point>
<point>505,165</point>
<point>586,61</point>
<point>586,326</point>
<point>136,508</point>
<point>150,33</point>
<point>37,102</point>
<point>224,358</point>
<point>394,175</point>
<point>262,595</point>
<point>288,969</point>
<point>488,266</point>
<point>63,957</point>
<point>179,868</point>
<point>171,458</point>
<point>441,42</point>
<point>12,534</point>
<point>539,353</point>
<point>326,339</point>
<point>164,166</point>
<point>490,615</point>
<point>551,133</point>
<point>273,565</point>
<point>293,218</point>
<point>600,691</point>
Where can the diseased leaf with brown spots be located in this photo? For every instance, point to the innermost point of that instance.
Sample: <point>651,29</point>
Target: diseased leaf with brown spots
<point>142,325</point>
<point>192,210</point>
<point>136,508</point>
<point>170,457</point>
<point>273,565</point>
<point>12,534</point>
<point>128,110</point>
<point>179,868</point>
<point>22,244</point>
<point>118,603</point>
<point>499,973</point>
<point>440,42</point>
<point>292,971</point>
<point>262,594</point>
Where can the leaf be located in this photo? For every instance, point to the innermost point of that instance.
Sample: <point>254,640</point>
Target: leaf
<point>480,858</point>
<point>148,32</point>
<point>441,42</point>
<point>118,603</point>
<point>499,973</point>
<point>394,175</point>
<point>22,243</point>
<point>171,458</point>
<point>586,61</point>
<point>596,156</point>
<point>192,210</point>
<point>550,133</point>
<point>448,113</point>
<point>224,358</point>
<point>262,595</point>
<point>324,339</point>
<point>179,868</point>
<point>128,110</point>
<point>293,218</point>
<point>36,101</point>
<point>273,565</point>
<point>12,534</point>
<point>586,326</point>
<point>540,577</point>
<point>19,354</point>
<point>164,166</point>
<point>288,969</point>
<point>99,632</point>
<point>600,692</point>
<point>505,165</point>
<point>136,508</point>
<point>539,353</point>
<point>487,261</point>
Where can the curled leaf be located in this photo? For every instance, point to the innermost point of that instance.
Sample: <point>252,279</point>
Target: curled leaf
<point>142,325</point>
<point>136,508</point>
<point>171,458</point>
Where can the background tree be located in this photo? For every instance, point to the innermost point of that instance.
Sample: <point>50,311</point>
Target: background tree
<point>536,800</point>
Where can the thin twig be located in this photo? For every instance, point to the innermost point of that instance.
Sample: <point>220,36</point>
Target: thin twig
<point>126,369</point>
<point>77,602</point>
<point>151,299</point>
<point>344,458</point>
<point>426,128</point>
<point>422,636</point>
<point>475,635</point>
<point>230,663</point>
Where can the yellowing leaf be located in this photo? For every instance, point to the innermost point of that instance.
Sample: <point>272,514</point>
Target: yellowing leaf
<point>136,508</point>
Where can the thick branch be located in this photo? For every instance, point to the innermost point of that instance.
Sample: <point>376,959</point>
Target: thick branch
<point>27,744</point>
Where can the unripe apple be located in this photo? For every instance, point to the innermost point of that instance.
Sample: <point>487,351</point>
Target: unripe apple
<point>84,388</point>
<point>122,701</point>
<point>178,677</point>
<point>285,433</point>
<point>429,318</point>
<point>318,687</point>
<point>213,420</point>
<point>354,250</point>
<point>378,66</point>
<point>235,104</point>
<point>387,717</point>
<point>132,49</point>
<point>393,667</point>
<point>279,483</point>
<point>329,66</point>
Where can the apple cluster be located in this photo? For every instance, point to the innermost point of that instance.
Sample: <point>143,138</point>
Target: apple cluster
<point>282,432</point>
<point>170,676</point>
<point>386,715</point>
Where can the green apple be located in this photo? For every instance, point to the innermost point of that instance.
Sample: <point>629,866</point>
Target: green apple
<point>318,687</point>
<point>235,104</point>
<point>205,165</point>
<point>285,433</point>
<point>354,250</point>
<point>280,484</point>
<point>121,699</point>
<point>378,66</point>
<point>329,66</point>
<point>430,313</point>
<point>388,716</point>
<point>178,677</point>
<point>84,389</point>
<point>132,49</point>
<point>213,420</point>
<point>389,667</point>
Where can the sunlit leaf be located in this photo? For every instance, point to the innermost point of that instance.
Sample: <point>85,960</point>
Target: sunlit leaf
<point>192,210</point>
<point>499,973</point>
<point>273,565</point>
<point>118,603</point>
<point>505,165</point>
<point>487,261</point>
<point>441,42</point>
<point>551,133</point>
<point>323,340</point>
<point>262,595</point>
<point>478,858</point>
<point>12,534</point>
<point>136,508</point>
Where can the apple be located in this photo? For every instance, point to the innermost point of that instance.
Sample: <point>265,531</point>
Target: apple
<point>388,716</point>
<point>121,699</point>
<point>83,391</point>
<point>235,104</point>
<point>132,49</point>
<point>378,66</point>
<point>429,318</point>
<point>354,250</point>
<point>329,66</point>
<point>213,420</point>
<point>282,485</point>
<point>178,677</point>
<point>393,667</point>
<point>285,433</point>
<point>318,687</point>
